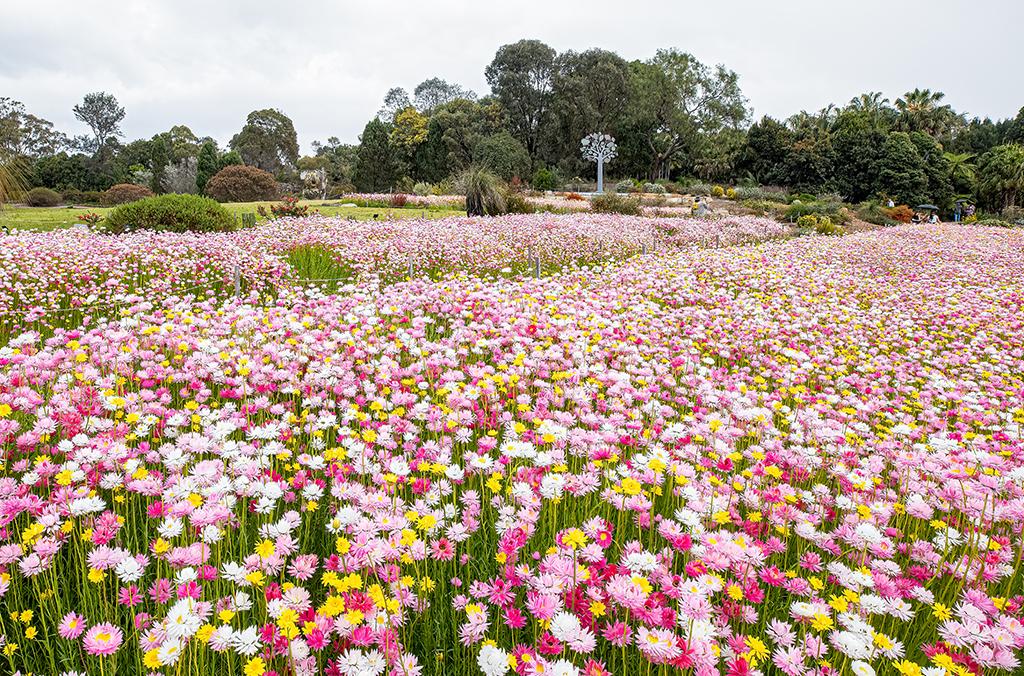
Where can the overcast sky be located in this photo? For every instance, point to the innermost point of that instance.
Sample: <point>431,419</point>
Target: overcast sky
<point>327,64</point>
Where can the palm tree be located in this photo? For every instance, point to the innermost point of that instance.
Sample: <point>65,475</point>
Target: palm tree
<point>961,170</point>
<point>922,110</point>
<point>12,178</point>
<point>1001,175</point>
<point>874,104</point>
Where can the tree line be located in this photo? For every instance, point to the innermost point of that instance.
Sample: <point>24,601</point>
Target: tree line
<point>675,119</point>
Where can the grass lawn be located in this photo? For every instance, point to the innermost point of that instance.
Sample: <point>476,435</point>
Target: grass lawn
<point>53,218</point>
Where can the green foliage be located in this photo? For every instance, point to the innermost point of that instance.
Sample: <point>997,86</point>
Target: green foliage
<point>544,179</point>
<point>171,213</point>
<point>1001,176</point>
<point>239,183</point>
<point>123,193</point>
<point>872,212</point>
<point>377,166</point>
<point>422,189</point>
<point>807,221</point>
<point>229,159</point>
<point>765,207</point>
<point>833,210</point>
<point>825,226</point>
<point>206,165</point>
<point>484,193</point>
<point>12,178</point>
<point>268,141</point>
<point>61,172</point>
<point>900,170</point>
<point>610,203</point>
<point>520,77</point>
<point>42,197</point>
<point>654,188</point>
<point>516,203</point>
<point>502,155</point>
<point>626,186</point>
<point>994,223</point>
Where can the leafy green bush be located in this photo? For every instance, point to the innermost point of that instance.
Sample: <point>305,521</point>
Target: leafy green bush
<point>171,213</point>
<point>994,223</point>
<point>483,193</point>
<point>1013,214</point>
<point>544,179</point>
<point>422,189</point>
<point>516,203</point>
<point>765,207</point>
<point>825,226</point>
<point>122,193</point>
<point>654,188</point>
<point>42,197</point>
<point>836,211</point>
<point>873,212</point>
<point>807,222</point>
<point>610,203</point>
<point>79,197</point>
<point>625,186</point>
<point>503,155</point>
<point>239,183</point>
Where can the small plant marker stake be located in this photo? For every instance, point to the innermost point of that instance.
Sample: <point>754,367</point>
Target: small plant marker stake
<point>410,266</point>
<point>238,281</point>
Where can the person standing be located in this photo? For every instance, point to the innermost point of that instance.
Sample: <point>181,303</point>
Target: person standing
<point>956,212</point>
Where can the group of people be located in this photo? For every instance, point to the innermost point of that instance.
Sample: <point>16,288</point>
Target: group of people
<point>962,210</point>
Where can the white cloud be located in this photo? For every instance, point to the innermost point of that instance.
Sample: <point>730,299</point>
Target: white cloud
<point>327,64</point>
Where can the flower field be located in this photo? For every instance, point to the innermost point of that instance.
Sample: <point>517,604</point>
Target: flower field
<point>800,456</point>
<point>69,276</point>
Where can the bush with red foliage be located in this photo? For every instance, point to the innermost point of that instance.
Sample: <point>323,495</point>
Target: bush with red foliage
<point>239,183</point>
<point>901,213</point>
<point>123,193</point>
<point>575,196</point>
<point>399,200</point>
<point>289,207</point>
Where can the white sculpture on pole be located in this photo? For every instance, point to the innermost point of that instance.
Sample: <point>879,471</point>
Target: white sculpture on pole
<point>600,148</point>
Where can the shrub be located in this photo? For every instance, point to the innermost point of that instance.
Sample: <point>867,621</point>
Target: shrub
<point>807,222</point>
<point>516,203</point>
<point>503,155</point>
<point>994,223</point>
<point>731,193</point>
<point>42,197</point>
<point>289,207</point>
<point>901,213</point>
<point>239,183</point>
<point>1014,214</point>
<point>717,191</point>
<point>122,193</point>
<point>834,210</point>
<point>973,218</point>
<point>483,193</point>
<point>398,200</point>
<point>873,212</point>
<point>627,185</point>
<point>574,197</point>
<point>825,226</point>
<point>78,197</point>
<point>171,213</point>
<point>655,188</point>
<point>610,203</point>
<point>544,179</point>
<point>762,207</point>
<point>422,189</point>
